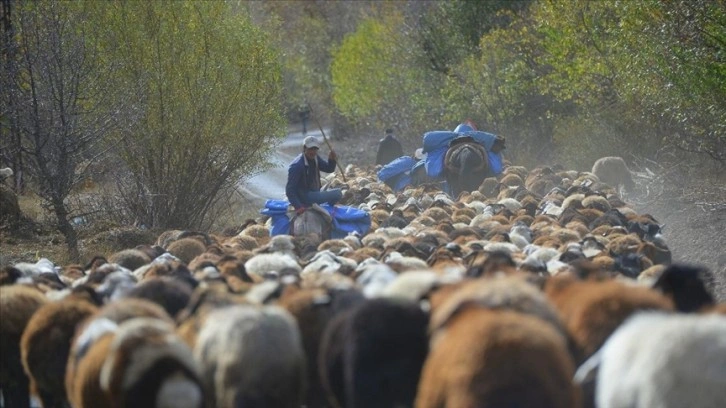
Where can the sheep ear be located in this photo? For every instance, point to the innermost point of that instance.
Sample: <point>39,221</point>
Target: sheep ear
<point>587,372</point>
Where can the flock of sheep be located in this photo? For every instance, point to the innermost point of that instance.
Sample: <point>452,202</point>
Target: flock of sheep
<point>540,289</point>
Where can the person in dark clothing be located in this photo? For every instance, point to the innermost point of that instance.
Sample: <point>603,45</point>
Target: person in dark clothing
<point>303,177</point>
<point>389,149</point>
<point>304,112</point>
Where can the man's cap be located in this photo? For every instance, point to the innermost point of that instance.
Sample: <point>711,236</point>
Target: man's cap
<point>310,142</point>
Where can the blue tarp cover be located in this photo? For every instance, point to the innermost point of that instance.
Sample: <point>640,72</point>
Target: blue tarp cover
<point>435,162</point>
<point>439,139</point>
<point>436,143</point>
<point>396,167</point>
<point>401,167</point>
<point>495,162</point>
<point>345,219</point>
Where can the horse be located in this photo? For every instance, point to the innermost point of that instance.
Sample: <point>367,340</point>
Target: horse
<point>465,165</point>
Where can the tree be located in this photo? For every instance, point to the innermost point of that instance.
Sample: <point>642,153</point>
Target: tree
<point>648,74</point>
<point>58,112</point>
<point>449,31</point>
<point>379,78</point>
<point>210,106</point>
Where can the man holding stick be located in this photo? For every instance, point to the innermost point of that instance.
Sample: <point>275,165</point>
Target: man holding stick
<point>303,177</point>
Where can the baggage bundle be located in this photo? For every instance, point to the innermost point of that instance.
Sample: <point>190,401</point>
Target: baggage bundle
<point>345,220</point>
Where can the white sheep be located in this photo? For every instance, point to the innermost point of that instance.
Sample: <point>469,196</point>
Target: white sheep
<point>664,360</point>
<point>5,173</point>
<point>252,356</point>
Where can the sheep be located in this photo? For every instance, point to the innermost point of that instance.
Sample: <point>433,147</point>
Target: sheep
<point>373,276</point>
<point>591,311</point>
<point>262,264</point>
<point>612,170</point>
<point>371,356</point>
<point>204,300</point>
<point>171,294</point>
<point>314,308</point>
<point>18,303</point>
<point>687,286</point>
<point>327,262</point>
<point>684,367</point>
<point>415,286</point>
<point>130,259</point>
<point>46,342</point>
<point>139,362</point>
<point>91,331</point>
<point>6,172</point>
<point>170,267</point>
<point>251,357</point>
<point>186,249</point>
<point>502,292</point>
<point>497,358</point>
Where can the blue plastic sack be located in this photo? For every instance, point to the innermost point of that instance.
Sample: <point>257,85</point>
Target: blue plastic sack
<point>277,205</point>
<point>345,219</point>
<point>396,174</point>
<point>396,167</point>
<point>483,138</point>
<point>437,139</point>
<point>495,162</point>
<point>402,182</point>
<point>277,211</point>
<point>434,162</point>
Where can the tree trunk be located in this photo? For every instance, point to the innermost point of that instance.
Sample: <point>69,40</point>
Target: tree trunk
<point>65,227</point>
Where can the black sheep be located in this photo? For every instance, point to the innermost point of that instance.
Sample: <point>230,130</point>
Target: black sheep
<point>372,355</point>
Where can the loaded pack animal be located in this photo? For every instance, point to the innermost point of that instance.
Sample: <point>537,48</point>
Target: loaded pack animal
<point>466,164</point>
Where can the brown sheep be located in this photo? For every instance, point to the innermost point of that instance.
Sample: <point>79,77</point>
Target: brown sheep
<point>591,311</point>
<point>18,303</point>
<point>243,242</point>
<point>612,170</point>
<point>204,300</point>
<point>186,249</point>
<point>130,259</point>
<point>496,358</point>
<point>93,330</point>
<point>137,363</point>
<point>46,342</point>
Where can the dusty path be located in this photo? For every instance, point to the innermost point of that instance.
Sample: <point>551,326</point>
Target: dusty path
<point>270,184</point>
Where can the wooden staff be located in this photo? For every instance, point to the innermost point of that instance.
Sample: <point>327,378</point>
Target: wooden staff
<point>337,162</point>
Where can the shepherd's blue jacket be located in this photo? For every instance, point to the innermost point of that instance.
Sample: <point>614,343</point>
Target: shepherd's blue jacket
<point>301,179</point>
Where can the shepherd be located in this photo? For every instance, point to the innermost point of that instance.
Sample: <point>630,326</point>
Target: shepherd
<point>303,177</point>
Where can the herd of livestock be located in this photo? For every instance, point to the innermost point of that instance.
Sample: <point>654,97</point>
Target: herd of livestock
<point>542,288</point>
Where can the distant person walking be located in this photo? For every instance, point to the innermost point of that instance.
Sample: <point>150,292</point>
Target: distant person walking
<point>389,149</point>
<point>304,112</point>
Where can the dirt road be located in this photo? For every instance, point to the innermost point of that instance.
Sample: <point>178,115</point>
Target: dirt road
<point>270,184</point>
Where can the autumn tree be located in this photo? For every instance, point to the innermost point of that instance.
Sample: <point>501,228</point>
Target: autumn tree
<point>57,106</point>
<point>209,110</point>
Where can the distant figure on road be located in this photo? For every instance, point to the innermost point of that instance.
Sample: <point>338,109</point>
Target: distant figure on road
<point>303,177</point>
<point>304,112</point>
<point>389,149</point>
